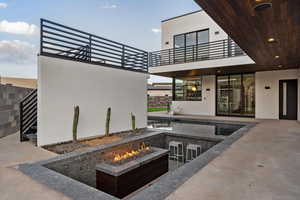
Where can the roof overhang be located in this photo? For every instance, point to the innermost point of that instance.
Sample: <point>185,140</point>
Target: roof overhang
<point>251,29</point>
<point>249,68</point>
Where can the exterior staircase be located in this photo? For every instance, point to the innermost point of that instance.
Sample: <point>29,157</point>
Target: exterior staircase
<point>28,117</point>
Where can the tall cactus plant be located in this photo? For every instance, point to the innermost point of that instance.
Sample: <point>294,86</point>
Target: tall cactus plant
<point>107,121</point>
<point>133,124</point>
<point>75,122</point>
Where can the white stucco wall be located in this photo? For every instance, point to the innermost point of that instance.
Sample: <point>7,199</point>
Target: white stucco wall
<point>267,101</point>
<point>189,23</point>
<point>63,84</point>
<point>205,107</point>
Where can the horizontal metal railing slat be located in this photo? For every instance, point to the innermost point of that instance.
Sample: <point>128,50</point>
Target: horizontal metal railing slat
<point>205,51</point>
<point>65,42</point>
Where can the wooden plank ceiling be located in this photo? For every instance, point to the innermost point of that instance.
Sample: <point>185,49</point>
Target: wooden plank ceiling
<point>251,68</point>
<point>251,29</point>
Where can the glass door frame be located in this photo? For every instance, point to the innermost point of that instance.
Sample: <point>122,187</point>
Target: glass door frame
<point>216,100</point>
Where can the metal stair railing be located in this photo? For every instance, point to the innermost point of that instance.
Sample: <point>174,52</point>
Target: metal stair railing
<point>28,115</point>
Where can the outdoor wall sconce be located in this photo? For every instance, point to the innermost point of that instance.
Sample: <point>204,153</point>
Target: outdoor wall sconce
<point>166,43</point>
<point>194,88</point>
<point>259,5</point>
<point>217,32</point>
<point>267,87</point>
<point>207,89</point>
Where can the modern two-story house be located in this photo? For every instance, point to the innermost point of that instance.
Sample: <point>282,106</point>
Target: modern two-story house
<point>213,76</point>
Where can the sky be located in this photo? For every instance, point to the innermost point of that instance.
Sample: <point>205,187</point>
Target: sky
<point>133,22</point>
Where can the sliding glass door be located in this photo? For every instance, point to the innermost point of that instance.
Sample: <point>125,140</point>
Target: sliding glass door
<point>236,95</point>
<point>222,95</point>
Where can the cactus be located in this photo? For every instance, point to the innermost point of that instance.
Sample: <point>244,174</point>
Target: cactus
<point>75,122</point>
<point>133,123</point>
<point>107,122</point>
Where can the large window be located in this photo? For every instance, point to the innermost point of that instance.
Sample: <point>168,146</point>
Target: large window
<point>187,46</point>
<point>202,37</point>
<point>193,38</point>
<point>236,95</point>
<point>187,89</point>
<point>179,41</point>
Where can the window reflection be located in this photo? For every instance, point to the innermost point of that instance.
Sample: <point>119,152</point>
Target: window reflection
<point>236,95</point>
<point>188,89</point>
<point>191,46</point>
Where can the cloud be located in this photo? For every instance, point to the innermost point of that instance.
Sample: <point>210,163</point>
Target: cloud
<point>17,52</point>
<point>18,28</point>
<point>156,30</point>
<point>3,5</point>
<point>109,6</point>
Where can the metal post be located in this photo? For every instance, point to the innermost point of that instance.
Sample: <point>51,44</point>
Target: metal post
<point>21,122</point>
<point>229,47</point>
<point>223,48</point>
<point>197,52</point>
<point>123,56</point>
<point>41,36</point>
<point>173,89</point>
<point>193,53</point>
<point>148,61</point>
<point>184,53</point>
<point>174,54</point>
<point>169,56</point>
<point>90,48</point>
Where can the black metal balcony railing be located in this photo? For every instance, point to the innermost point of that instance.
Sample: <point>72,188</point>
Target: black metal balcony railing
<point>65,42</point>
<point>206,51</point>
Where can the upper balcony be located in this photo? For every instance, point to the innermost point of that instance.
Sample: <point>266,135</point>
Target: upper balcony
<point>219,53</point>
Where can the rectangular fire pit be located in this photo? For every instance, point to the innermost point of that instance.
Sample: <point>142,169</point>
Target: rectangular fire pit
<point>121,180</point>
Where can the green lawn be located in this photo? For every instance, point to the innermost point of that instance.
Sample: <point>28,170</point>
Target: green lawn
<point>156,109</point>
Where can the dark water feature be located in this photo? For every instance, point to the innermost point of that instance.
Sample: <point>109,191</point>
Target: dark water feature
<point>194,127</point>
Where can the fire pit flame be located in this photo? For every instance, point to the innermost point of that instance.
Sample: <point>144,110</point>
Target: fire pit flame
<point>142,148</point>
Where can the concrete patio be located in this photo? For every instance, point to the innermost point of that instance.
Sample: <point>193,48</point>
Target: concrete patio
<point>264,164</point>
<point>14,184</point>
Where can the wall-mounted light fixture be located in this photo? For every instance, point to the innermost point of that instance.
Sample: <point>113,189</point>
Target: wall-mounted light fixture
<point>271,40</point>
<point>267,87</point>
<point>194,88</point>
<point>260,5</point>
<point>217,32</point>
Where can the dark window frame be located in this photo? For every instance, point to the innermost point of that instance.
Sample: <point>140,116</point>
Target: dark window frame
<point>174,90</point>
<point>216,94</point>
<point>185,34</point>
